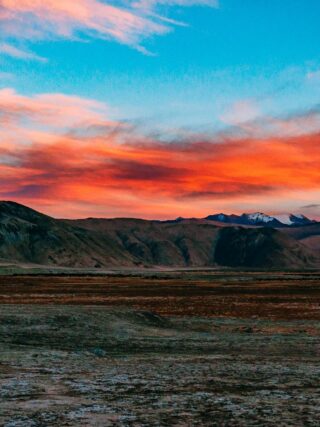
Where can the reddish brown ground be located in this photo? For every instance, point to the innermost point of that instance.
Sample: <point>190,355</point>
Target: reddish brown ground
<point>269,295</point>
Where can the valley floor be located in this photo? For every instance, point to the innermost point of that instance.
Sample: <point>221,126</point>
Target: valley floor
<point>156,350</point>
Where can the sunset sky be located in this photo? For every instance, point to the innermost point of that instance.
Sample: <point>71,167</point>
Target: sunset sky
<point>160,108</point>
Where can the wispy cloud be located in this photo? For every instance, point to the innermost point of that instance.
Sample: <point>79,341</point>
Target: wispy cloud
<point>241,112</point>
<point>246,119</point>
<point>14,52</point>
<point>129,24</point>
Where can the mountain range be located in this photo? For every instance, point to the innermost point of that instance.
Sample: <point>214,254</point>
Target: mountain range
<point>261,219</point>
<point>246,241</point>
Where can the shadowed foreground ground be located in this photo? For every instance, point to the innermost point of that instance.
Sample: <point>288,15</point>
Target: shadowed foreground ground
<point>97,366</point>
<point>107,365</point>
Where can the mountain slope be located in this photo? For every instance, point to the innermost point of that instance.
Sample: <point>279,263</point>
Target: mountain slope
<point>31,237</point>
<point>308,235</point>
<point>157,243</point>
<point>265,248</point>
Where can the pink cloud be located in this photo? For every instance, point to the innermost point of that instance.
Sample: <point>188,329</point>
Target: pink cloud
<point>40,19</point>
<point>130,24</point>
<point>56,110</point>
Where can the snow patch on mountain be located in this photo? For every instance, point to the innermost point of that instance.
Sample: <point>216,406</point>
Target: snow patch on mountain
<point>259,217</point>
<point>284,219</point>
<point>221,217</point>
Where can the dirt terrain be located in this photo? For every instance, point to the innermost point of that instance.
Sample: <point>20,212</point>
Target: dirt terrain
<point>276,295</point>
<point>98,366</point>
<point>188,348</point>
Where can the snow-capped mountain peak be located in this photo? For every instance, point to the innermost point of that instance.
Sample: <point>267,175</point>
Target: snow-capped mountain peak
<point>293,219</point>
<point>259,217</point>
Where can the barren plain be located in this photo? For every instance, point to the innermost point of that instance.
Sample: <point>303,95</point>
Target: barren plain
<point>169,348</point>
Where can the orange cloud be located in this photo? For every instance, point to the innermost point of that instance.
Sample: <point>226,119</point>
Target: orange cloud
<point>59,151</point>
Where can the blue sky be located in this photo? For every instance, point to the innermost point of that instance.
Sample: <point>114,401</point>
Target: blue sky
<point>169,67</point>
<point>260,50</point>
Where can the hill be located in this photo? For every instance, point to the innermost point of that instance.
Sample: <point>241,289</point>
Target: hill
<point>27,236</point>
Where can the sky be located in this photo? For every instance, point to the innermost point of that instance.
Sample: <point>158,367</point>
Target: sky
<point>160,108</point>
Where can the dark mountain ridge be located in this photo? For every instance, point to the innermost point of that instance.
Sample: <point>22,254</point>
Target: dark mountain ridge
<point>27,236</point>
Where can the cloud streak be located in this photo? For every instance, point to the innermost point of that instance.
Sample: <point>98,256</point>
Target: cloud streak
<point>312,206</point>
<point>14,52</point>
